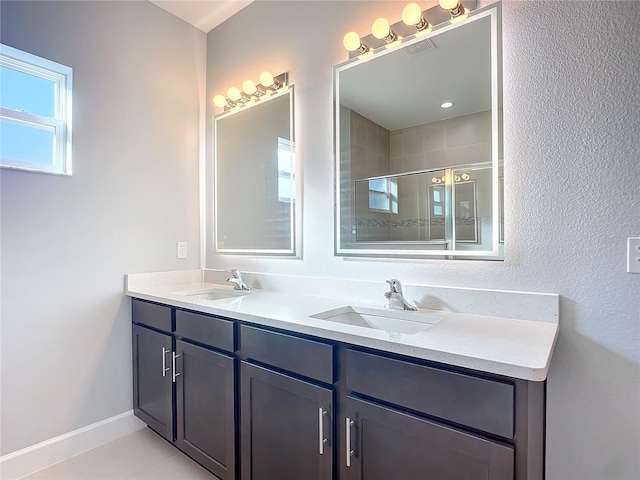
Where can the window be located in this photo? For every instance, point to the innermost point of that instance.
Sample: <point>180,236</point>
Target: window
<point>437,201</point>
<point>35,113</point>
<point>286,176</point>
<point>383,195</point>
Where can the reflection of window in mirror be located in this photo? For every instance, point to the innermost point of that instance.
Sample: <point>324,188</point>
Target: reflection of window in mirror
<point>437,202</point>
<point>465,206</point>
<point>286,176</point>
<point>436,223</point>
<point>383,195</point>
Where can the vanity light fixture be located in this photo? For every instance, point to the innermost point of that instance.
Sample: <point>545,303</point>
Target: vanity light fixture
<point>353,43</point>
<point>412,15</point>
<point>381,29</point>
<point>447,105</point>
<point>455,8</point>
<point>457,178</point>
<point>250,91</point>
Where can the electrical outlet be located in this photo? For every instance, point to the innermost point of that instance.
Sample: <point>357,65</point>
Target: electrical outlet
<point>633,255</point>
<point>182,249</point>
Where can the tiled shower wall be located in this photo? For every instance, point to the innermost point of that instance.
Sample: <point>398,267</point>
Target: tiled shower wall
<point>370,150</point>
<point>455,141</point>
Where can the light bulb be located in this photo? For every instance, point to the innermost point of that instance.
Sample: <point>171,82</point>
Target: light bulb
<point>411,14</point>
<point>465,176</point>
<point>380,28</point>
<point>249,87</point>
<point>449,4</point>
<point>447,105</point>
<point>455,8</point>
<point>219,101</point>
<point>351,41</point>
<point>234,94</point>
<point>435,180</point>
<point>266,79</point>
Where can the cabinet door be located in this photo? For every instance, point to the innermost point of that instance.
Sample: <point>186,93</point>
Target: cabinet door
<point>152,380</point>
<point>385,444</point>
<point>205,385</point>
<point>286,427</point>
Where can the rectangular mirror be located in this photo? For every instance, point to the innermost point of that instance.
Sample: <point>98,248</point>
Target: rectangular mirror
<point>413,177</point>
<point>255,178</point>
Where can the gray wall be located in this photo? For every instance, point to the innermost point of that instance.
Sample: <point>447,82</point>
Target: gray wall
<point>571,124</point>
<point>67,242</point>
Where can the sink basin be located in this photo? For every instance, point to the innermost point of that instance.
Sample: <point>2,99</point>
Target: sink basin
<point>398,321</point>
<point>214,294</point>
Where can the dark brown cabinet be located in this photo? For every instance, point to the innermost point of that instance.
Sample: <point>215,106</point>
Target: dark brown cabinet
<point>286,427</point>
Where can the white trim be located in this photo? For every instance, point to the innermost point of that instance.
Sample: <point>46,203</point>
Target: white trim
<point>44,454</point>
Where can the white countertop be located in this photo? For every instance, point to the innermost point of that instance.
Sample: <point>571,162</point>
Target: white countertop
<point>511,347</point>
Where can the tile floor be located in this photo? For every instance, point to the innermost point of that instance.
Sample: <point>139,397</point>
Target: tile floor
<point>142,455</point>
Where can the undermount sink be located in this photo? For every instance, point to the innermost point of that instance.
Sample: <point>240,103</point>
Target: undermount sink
<point>398,321</point>
<point>213,294</point>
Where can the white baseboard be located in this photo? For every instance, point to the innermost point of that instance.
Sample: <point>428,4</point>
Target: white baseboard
<point>44,454</point>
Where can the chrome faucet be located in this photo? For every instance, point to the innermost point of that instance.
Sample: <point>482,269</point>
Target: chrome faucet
<point>396,300</point>
<point>236,279</point>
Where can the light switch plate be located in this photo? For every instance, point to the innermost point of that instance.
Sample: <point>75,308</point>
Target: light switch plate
<point>182,249</point>
<point>633,255</point>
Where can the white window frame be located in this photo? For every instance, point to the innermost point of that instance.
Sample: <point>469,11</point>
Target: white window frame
<point>60,124</point>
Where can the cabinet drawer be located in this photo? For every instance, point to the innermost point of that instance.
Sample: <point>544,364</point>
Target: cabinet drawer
<point>478,403</point>
<point>151,314</point>
<point>214,331</point>
<point>298,355</point>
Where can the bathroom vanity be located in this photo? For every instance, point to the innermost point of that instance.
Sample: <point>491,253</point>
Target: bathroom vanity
<point>283,394</point>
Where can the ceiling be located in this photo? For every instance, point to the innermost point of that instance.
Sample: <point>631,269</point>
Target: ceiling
<point>202,14</point>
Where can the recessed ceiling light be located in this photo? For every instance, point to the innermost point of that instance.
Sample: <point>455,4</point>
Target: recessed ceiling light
<point>447,105</point>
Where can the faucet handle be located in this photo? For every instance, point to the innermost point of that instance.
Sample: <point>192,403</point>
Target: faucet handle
<point>236,279</point>
<point>394,285</point>
<point>235,273</point>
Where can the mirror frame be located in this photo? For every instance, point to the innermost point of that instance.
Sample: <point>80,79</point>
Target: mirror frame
<point>296,204</point>
<point>494,12</point>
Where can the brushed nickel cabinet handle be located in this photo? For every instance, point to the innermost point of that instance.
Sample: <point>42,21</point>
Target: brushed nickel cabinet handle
<point>165,369</point>
<point>321,414</point>
<point>349,452</point>
<point>175,374</point>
